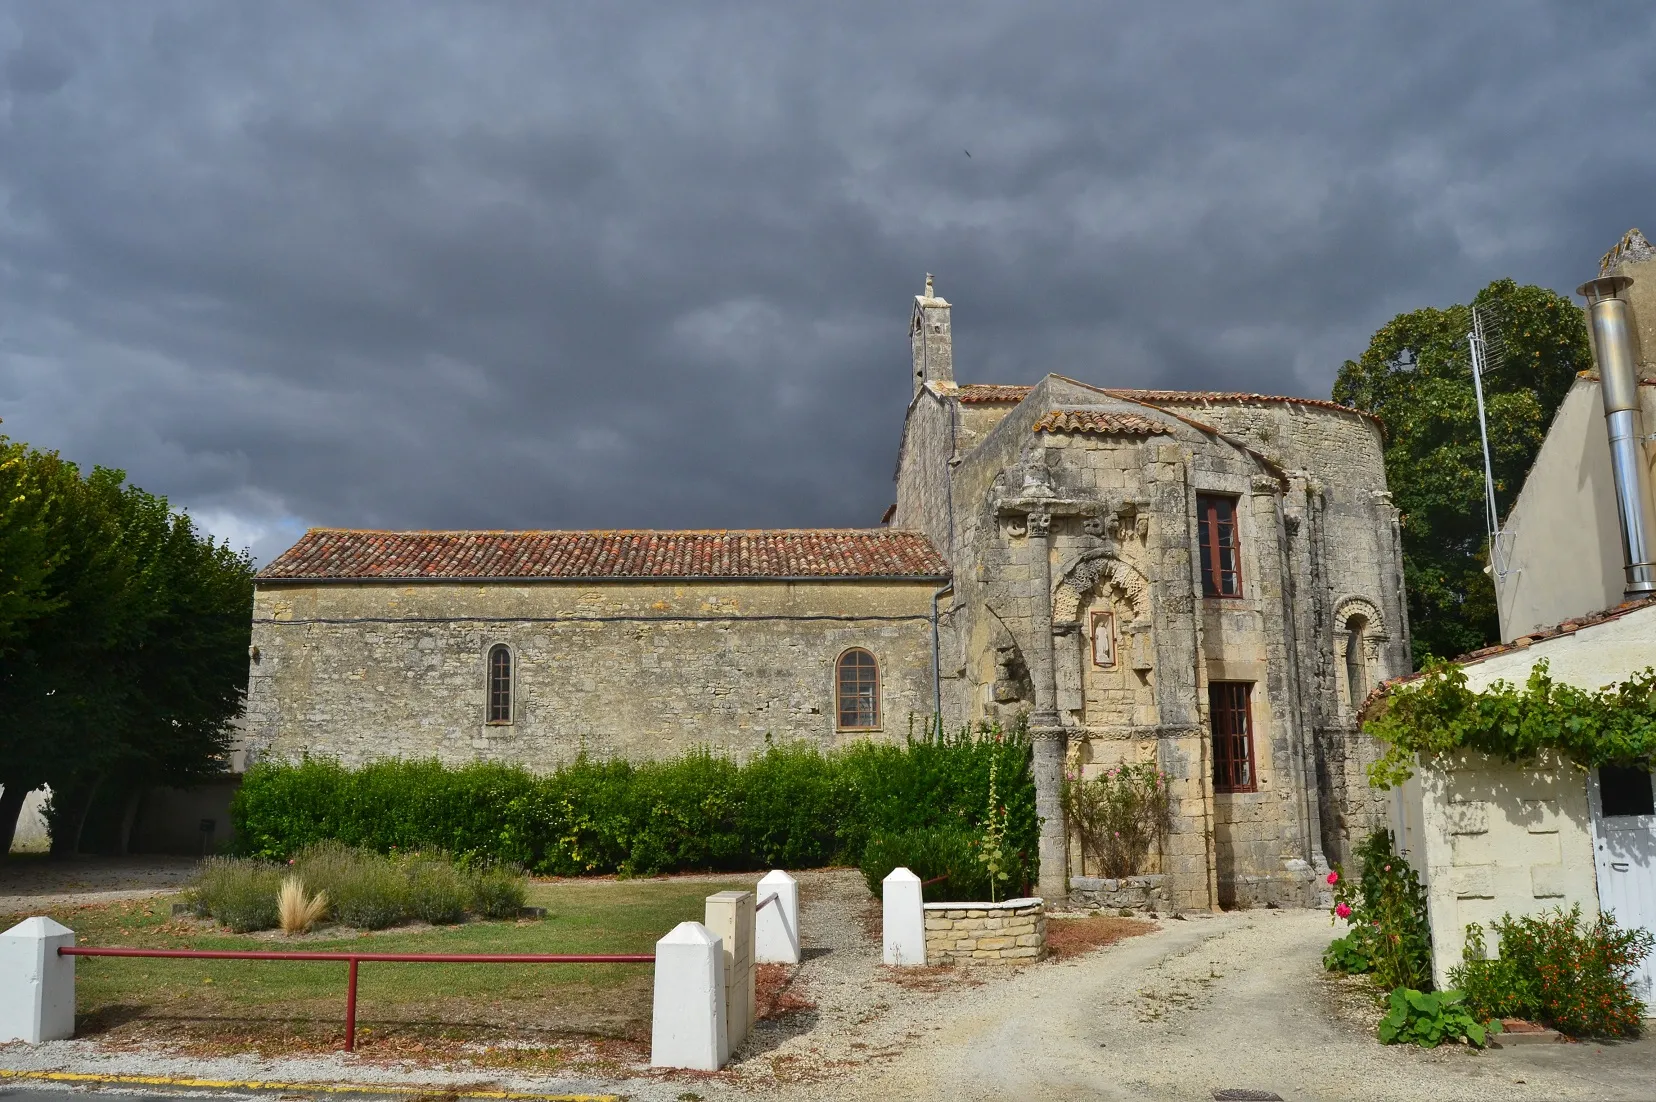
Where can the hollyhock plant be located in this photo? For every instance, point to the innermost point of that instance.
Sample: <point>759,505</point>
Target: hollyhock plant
<point>1334,878</point>
<point>1343,910</point>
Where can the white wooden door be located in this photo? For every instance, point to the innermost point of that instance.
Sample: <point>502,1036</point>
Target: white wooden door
<point>1624,855</point>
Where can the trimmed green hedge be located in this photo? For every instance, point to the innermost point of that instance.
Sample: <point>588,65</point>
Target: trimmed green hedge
<point>791,807</point>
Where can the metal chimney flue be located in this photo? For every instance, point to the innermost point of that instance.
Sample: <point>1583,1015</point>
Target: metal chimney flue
<point>1619,383</point>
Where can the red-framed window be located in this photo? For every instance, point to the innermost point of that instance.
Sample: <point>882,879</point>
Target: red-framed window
<point>857,690</point>
<point>1230,713</point>
<point>1221,545</point>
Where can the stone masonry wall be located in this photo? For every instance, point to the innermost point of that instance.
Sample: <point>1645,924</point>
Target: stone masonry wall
<point>1014,930</point>
<point>616,669</point>
<point>1137,893</point>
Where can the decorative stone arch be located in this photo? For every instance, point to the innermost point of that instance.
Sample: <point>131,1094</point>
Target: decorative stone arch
<point>1089,571</point>
<point>1346,665</point>
<point>1374,632</point>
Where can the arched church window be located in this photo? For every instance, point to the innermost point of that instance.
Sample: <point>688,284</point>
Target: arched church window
<point>1356,670</point>
<point>857,690</point>
<point>500,684</point>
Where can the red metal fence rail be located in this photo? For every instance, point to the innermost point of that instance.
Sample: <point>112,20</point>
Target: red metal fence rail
<point>353,958</point>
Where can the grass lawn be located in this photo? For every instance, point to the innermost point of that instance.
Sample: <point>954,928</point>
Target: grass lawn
<point>277,1006</point>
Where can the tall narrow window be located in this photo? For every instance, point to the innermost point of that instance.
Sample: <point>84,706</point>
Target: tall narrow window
<point>1231,713</point>
<point>857,689</point>
<point>500,684</point>
<point>1356,672</point>
<point>1220,545</point>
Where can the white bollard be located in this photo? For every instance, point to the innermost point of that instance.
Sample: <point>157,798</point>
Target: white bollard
<point>37,987</point>
<point>688,1022</point>
<point>776,927</point>
<point>905,919</point>
<point>730,919</point>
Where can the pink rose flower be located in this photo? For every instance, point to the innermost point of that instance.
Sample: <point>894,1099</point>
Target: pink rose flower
<point>1342,910</point>
<point>1333,878</point>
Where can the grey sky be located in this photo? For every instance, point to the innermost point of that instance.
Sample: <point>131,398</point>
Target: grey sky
<point>564,266</point>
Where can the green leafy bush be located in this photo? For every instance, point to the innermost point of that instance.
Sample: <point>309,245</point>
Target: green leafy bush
<point>1428,1019</point>
<point>1119,815</point>
<point>497,893</point>
<point>1560,970</point>
<point>238,892</point>
<point>1348,954</point>
<point>791,807</point>
<point>929,853</point>
<point>1390,935</point>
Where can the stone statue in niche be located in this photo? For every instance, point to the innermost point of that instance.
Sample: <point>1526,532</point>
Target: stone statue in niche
<point>1013,684</point>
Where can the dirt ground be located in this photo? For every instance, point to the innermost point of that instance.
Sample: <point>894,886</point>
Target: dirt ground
<point>1193,1006</point>
<point>30,880</point>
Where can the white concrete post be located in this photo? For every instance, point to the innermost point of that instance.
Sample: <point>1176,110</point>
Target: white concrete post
<point>776,927</point>
<point>730,918</point>
<point>37,987</point>
<point>687,1028</point>
<point>905,919</point>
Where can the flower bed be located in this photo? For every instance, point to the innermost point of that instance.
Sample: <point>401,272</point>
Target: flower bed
<point>1012,930</point>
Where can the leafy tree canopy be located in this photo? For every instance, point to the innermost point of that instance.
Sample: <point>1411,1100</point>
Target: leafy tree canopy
<point>123,639</point>
<point>1417,377</point>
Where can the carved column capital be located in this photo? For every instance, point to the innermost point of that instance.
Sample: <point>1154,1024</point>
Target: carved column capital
<point>1040,524</point>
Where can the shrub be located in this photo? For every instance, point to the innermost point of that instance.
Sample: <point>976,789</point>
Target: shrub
<point>928,853</point>
<point>1429,1019</point>
<point>238,892</point>
<point>497,893</point>
<point>1386,907</point>
<point>1557,969</point>
<point>793,806</point>
<point>367,891</point>
<point>437,893</point>
<point>1119,815</point>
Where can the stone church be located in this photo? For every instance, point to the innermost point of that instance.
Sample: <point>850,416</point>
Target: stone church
<point>1210,581</point>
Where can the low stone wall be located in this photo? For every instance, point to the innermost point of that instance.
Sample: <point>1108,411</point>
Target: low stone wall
<point>1137,893</point>
<point>1013,930</point>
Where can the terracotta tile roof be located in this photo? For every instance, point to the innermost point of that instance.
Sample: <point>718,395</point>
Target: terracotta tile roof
<point>973,393</point>
<point>991,392</point>
<point>324,554</point>
<point>1226,397</point>
<point>1100,421</point>
<point>1568,627</point>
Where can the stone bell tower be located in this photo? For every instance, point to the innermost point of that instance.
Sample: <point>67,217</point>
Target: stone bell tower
<point>930,339</point>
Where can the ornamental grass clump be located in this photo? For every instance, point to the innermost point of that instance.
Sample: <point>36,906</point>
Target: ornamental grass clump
<point>1560,970</point>
<point>1119,815</point>
<point>297,911</point>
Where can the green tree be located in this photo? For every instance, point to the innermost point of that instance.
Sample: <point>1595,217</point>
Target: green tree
<point>1417,377</point>
<point>132,664</point>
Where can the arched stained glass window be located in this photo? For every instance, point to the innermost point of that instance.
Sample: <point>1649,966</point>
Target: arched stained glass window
<point>857,690</point>
<point>500,684</point>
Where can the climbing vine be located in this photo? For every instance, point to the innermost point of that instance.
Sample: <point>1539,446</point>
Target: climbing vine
<point>1439,714</point>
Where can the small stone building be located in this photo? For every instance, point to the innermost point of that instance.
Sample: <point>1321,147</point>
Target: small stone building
<point>1204,580</point>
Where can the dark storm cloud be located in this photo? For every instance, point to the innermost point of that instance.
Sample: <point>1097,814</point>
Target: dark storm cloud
<point>522,265</point>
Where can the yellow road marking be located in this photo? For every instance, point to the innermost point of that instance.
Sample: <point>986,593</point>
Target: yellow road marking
<point>273,1085</point>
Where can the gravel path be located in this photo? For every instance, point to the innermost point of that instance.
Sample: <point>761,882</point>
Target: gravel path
<point>29,881</point>
<point>1237,1000</point>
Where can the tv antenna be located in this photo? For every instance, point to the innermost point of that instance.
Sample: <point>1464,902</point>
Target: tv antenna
<point>1487,346</point>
